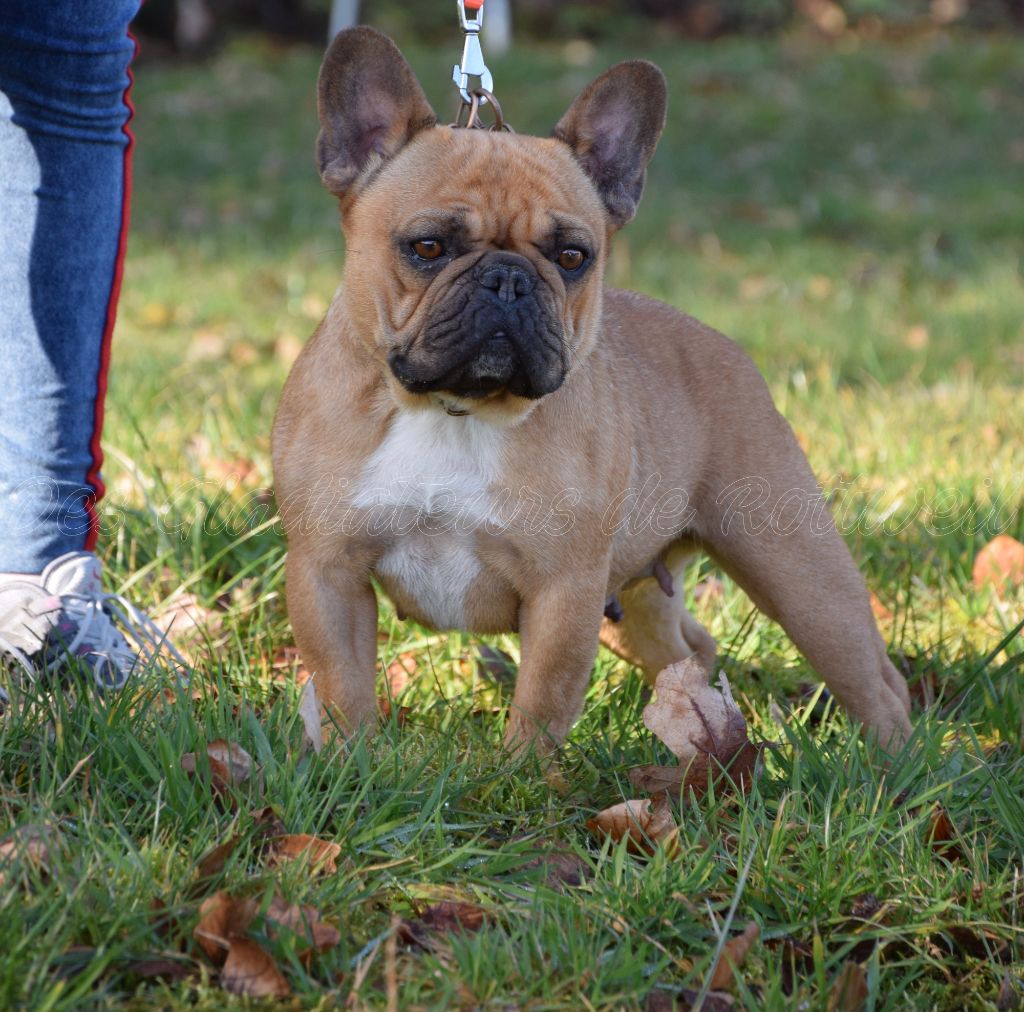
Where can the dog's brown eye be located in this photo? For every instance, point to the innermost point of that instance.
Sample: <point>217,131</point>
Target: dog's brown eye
<point>571,259</point>
<point>427,249</point>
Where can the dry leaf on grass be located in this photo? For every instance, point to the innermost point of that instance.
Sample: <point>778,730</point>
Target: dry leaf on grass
<point>642,822</point>
<point>942,835</point>
<point>686,1000</point>
<point>309,712</point>
<point>878,609</point>
<point>1000,565</point>
<point>27,847</point>
<point>251,970</point>
<point>267,823</point>
<point>232,757</point>
<point>305,922</point>
<point>222,918</point>
<point>560,868</point>
<point>704,729</point>
<point>850,990</point>
<point>866,915</point>
<point>979,943</point>
<point>400,672</point>
<point>213,861</point>
<point>170,969</point>
<point>184,620</point>
<point>733,954</point>
<point>286,665</point>
<point>229,764</point>
<point>401,714</point>
<point>222,933</point>
<point>322,855</point>
<point>446,917</point>
<point>797,959</point>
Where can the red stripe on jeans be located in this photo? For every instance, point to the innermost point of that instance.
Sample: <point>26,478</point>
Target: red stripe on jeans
<point>93,477</point>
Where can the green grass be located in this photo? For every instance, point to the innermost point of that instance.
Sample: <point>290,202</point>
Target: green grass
<point>855,217</point>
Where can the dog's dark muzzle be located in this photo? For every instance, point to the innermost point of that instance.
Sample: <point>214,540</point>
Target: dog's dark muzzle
<point>491,334</point>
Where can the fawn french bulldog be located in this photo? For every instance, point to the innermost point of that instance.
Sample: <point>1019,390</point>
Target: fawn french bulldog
<point>504,444</point>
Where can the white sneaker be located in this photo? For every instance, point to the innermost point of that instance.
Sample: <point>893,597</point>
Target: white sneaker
<point>66,616</point>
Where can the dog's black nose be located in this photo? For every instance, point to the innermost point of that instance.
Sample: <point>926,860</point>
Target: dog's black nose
<point>509,279</point>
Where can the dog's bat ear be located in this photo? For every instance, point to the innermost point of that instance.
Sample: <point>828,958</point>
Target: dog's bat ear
<point>613,128</point>
<point>370,106</point>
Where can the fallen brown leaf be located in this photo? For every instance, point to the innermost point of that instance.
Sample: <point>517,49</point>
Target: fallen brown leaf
<point>237,761</point>
<point>322,855</point>
<point>401,714</point>
<point>979,943</point>
<point>222,918</point>
<point>171,970</point>
<point>1000,565</point>
<point>184,620</point>
<point>878,609</point>
<point>286,664</point>
<point>866,910</point>
<point>400,672</point>
<point>267,823</point>
<point>303,921</point>
<point>733,954</point>
<point>251,970</point>
<point>161,918</point>
<point>690,716</point>
<point>642,822</point>
<point>686,1000</point>
<point>561,868</point>
<point>213,861</point>
<point>942,835</point>
<point>797,959</point>
<point>704,729</point>
<point>446,917</point>
<point>29,847</point>
<point>850,990</point>
<point>740,770</point>
<point>229,764</point>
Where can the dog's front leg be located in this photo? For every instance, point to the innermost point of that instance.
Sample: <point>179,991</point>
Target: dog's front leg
<point>334,616</point>
<point>558,630</point>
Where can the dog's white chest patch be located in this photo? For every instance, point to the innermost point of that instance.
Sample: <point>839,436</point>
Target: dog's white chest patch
<point>427,489</point>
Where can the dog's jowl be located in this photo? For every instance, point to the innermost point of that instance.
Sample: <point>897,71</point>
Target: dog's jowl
<point>504,444</point>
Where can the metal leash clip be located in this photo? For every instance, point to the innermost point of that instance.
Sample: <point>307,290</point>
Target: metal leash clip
<point>472,55</point>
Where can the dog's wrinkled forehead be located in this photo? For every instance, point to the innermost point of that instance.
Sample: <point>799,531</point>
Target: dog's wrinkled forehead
<point>501,189</point>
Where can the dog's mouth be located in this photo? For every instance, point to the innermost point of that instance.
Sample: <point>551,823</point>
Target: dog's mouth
<point>496,366</point>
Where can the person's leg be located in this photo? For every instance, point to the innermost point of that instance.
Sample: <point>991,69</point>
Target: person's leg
<point>64,184</point>
<point>65,177</point>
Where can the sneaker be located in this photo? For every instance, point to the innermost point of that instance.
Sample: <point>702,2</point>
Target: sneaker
<point>67,617</point>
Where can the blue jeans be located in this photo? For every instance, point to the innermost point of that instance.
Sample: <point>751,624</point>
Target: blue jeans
<point>65,170</point>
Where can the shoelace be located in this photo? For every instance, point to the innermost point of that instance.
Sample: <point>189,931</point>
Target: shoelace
<point>92,614</point>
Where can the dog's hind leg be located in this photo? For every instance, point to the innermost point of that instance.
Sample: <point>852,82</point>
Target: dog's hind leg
<point>774,535</point>
<point>655,629</point>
